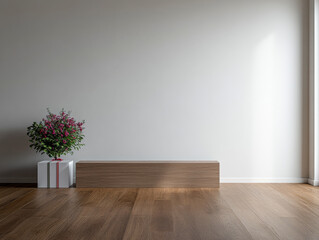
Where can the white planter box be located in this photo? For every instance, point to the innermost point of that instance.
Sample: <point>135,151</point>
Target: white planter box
<point>55,174</point>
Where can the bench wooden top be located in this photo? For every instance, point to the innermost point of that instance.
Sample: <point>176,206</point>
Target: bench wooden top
<point>148,161</point>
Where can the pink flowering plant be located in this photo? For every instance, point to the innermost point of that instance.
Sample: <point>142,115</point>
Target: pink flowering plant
<point>56,135</point>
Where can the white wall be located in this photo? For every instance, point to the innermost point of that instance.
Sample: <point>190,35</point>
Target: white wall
<point>313,92</point>
<point>160,80</point>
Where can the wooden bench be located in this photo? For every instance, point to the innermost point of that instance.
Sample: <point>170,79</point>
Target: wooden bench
<point>136,174</point>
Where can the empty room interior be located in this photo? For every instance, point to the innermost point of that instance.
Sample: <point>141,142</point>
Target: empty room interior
<point>159,119</point>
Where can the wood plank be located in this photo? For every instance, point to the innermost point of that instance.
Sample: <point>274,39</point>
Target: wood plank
<point>120,213</point>
<point>275,212</point>
<point>147,174</point>
<point>185,222</point>
<point>237,200</point>
<point>19,202</point>
<point>162,224</point>
<point>138,226</point>
<point>215,217</point>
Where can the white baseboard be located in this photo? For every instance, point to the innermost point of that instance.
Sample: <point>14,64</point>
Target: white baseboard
<point>264,180</point>
<point>313,182</point>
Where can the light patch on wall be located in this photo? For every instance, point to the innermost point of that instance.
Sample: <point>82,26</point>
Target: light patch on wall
<point>263,101</point>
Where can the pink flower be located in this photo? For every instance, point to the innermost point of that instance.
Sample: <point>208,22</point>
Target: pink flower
<point>66,133</point>
<point>53,132</point>
<point>64,141</point>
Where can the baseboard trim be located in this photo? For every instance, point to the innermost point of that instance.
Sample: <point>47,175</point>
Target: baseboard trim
<point>259,180</point>
<point>222,180</point>
<point>313,182</point>
<point>18,180</point>
<point>264,180</point>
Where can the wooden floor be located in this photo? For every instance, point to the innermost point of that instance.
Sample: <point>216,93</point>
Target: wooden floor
<point>235,211</point>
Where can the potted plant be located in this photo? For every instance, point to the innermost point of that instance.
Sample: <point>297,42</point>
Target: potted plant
<point>56,135</point>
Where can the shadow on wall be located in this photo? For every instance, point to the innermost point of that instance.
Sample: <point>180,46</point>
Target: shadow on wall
<point>18,161</point>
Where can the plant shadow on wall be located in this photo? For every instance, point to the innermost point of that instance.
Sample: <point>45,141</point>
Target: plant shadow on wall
<point>15,152</point>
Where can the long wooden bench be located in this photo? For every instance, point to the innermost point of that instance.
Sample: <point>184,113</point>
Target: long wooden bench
<point>135,174</point>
